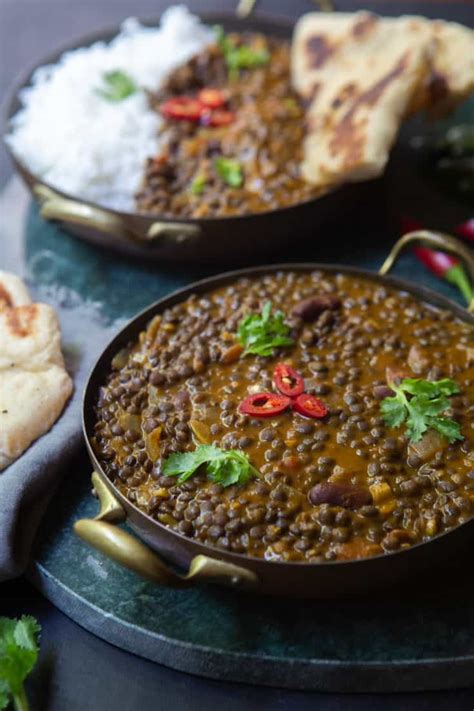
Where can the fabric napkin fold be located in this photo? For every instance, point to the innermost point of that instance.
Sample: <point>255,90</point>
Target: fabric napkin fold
<point>27,485</point>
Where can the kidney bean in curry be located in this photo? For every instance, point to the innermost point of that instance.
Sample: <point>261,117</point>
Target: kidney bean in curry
<point>338,488</point>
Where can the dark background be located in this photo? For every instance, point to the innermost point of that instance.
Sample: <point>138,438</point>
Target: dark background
<point>76,670</point>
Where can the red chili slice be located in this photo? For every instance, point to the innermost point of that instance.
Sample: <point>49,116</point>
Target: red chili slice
<point>264,404</point>
<point>310,406</point>
<point>287,380</point>
<point>213,98</point>
<point>221,118</point>
<point>183,108</point>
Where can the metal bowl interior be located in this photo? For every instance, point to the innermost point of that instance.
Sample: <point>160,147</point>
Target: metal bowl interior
<point>292,579</point>
<point>152,236</point>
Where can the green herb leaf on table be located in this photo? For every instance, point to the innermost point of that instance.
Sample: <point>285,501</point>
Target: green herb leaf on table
<point>422,410</point>
<point>198,185</point>
<point>230,171</point>
<point>261,333</point>
<point>225,467</point>
<point>117,86</point>
<point>19,647</point>
<point>239,56</point>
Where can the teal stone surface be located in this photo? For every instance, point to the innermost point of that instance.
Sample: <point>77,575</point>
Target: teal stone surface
<point>385,643</point>
<point>389,642</point>
<point>121,287</point>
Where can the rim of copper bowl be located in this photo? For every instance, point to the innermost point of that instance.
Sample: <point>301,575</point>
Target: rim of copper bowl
<point>421,292</point>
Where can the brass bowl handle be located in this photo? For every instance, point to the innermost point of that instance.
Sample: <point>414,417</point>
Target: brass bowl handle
<point>103,534</point>
<point>56,207</point>
<point>440,241</point>
<point>246,7</point>
<point>179,231</point>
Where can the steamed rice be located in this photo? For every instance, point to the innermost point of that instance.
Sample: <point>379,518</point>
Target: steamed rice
<point>85,145</point>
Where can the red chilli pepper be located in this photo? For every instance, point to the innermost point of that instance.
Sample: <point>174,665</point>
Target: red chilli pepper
<point>220,118</point>
<point>183,108</point>
<point>446,267</point>
<point>287,380</point>
<point>466,230</point>
<point>310,406</point>
<point>442,265</point>
<point>212,98</point>
<point>264,405</point>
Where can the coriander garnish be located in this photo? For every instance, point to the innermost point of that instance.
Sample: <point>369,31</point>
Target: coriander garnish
<point>117,86</point>
<point>261,333</point>
<point>422,410</point>
<point>198,185</point>
<point>230,171</point>
<point>240,56</point>
<point>224,467</point>
<point>19,647</point>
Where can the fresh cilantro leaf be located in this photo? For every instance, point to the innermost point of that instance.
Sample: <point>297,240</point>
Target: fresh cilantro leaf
<point>27,632</point>
<point>185,464</point>
<point>233,469</point>
<point>18,654</point>
<point>239,56</point>
<point>417,386</point>
<point>421,411</point>
<point>225,467</point>
<point>448,428</point>
<point>230,171</point>
<point>117,86</point>
<point>393,410</point>
<point>198,185</point>
<point>4,696</point>
<point>262,333</point>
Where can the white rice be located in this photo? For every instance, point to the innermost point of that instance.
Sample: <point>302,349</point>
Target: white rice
<point>85,145</point>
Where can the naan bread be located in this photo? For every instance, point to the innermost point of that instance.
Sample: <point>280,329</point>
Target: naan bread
<point>34,385</point>
<point>30,337</point>
<point>13,291</point>
<point>449,75</point>
<point>359,74</point>
<point>362,74</point>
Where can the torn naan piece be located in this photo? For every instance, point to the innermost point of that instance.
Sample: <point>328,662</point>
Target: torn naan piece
<point>34,384</point>
<point>449,75</point>
<point>359,75</point>
<point>13,291</point>
<point>362,74</point>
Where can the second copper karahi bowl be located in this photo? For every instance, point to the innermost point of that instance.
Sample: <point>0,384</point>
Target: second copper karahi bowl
<point>154,237</point>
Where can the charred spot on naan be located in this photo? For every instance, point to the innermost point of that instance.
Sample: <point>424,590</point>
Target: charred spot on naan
<point>364,25</point>
<point>349,137</point>
<point>6,301</point>
<point>438,87</point>
<point>346,93</point>
<point>21,320</point>
<point>318,51</point>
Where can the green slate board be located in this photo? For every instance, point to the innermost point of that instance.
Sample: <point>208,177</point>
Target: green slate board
<point>382,644</point>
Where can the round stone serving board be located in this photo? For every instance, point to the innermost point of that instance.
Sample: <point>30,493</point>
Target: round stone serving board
<point>383,644</point>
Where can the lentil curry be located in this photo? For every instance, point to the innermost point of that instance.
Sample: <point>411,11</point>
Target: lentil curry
<point>232,138</point>
<point>336,484</point>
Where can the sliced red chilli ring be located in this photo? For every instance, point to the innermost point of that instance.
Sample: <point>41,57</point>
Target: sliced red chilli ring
<point>287,381</point>
<point>212,98</point>
<point>183,108</point>
<point>218,117</point>
<point>310,406</point>
<point>264,405</point>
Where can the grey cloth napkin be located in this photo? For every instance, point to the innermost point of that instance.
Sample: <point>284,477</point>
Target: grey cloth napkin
<point>27,485</point>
